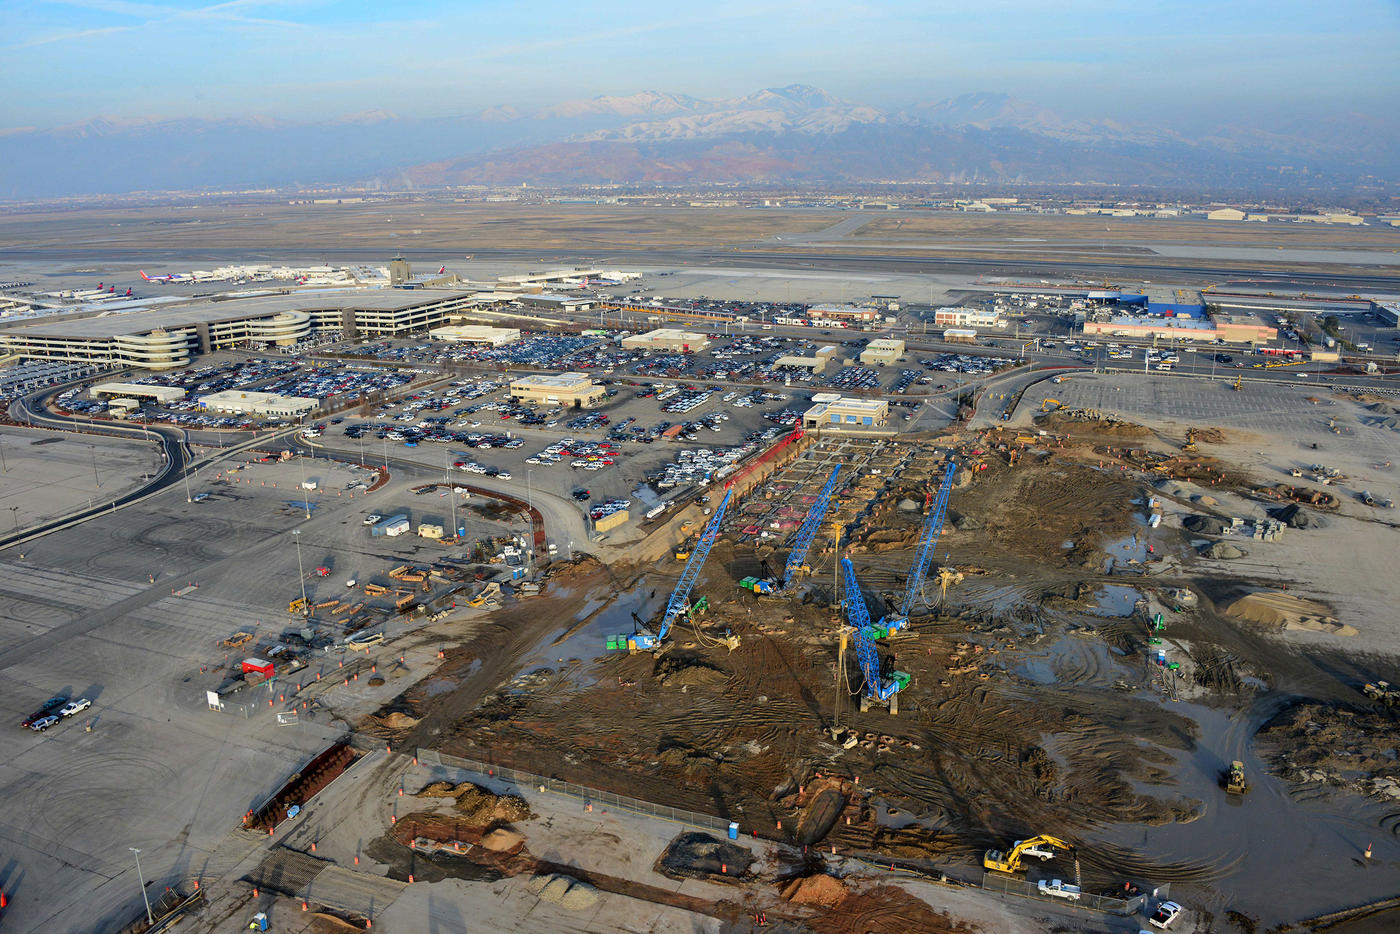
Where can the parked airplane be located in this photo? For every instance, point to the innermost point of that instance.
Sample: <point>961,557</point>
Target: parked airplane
<point>167,278</point>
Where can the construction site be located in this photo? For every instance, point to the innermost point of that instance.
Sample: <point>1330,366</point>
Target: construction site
<point>1028,661</point>
<point>1108,663</point>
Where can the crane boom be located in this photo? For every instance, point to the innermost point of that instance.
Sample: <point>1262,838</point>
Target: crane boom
<point>678,604</point>
<point>858,619</point>
<point>928,541</point>
<point>807,532</point>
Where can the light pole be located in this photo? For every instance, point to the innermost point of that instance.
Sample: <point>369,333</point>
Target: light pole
<point>305,493</point>
<point>451,489</point>
<point>142,879</point>
<point>301,573</point>
<point>14,512</point>
<point>3,466</point>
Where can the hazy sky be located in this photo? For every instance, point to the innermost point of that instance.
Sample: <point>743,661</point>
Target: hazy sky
<point>308,59</point>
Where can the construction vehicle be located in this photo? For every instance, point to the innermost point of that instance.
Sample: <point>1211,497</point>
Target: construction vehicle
<point>684,549</point>
<point>296,606</point>
<point>1046,403</point>
<point>876,689</point>
<point>928,540</point>
<point>801,543</point>
<point>1234,779</point>
<point>1010,861</point>
<point>1238,384</point>
<point>679,605</point>
<point>1382,692</point>
<point>1190,446</point>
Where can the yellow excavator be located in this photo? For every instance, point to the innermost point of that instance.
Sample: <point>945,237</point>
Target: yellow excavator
<point>1043,846</point>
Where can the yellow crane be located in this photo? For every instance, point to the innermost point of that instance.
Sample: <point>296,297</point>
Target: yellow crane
<point>1043,846</point>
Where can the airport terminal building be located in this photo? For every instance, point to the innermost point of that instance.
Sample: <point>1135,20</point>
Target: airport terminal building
<point>169,337</point>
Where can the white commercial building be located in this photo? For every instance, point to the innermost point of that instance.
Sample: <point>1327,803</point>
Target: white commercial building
<point>576,390</point>
<point>883,351</point>
<point>967,318</point>
<point>475,334</point>
<point>847,413</point>
<point>163,394</point>
<point>667,339</point>
<point>246,402</point>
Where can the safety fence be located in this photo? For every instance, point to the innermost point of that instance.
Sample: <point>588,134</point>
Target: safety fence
<point>1109,904</point>
<point>587,796</point>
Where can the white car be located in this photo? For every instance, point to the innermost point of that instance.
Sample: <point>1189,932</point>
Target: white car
<point>372,518</point>
<point>1164,915</point>
<point>74,707</point>
<point>1044,852</point>
<point>1058,889</point>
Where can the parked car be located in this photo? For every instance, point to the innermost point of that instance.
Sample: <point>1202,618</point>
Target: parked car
<point>1058,889</point>
<point>74,707</point>
<point>43,723</point>
<point>49,706</point>
<point>1164,915</point>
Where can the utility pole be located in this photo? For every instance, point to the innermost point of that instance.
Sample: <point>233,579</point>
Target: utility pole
<point>301,574</point>
<point>142,879</point>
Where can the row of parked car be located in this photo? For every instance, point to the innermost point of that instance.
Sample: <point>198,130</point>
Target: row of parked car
<point>55,710</point>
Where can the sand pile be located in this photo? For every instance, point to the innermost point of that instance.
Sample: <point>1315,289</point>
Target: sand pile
<point>1222,551</point>
<point>1288,612</point>
<point>397,721</point>
<point>565,891</point>
<point>821,891</point>
<point>501,840</point>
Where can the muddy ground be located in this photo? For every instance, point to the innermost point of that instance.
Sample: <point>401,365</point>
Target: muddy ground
<point>1036,704</point>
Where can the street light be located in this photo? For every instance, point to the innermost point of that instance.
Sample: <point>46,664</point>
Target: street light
<point>301,573</point>
<point>150,919</point>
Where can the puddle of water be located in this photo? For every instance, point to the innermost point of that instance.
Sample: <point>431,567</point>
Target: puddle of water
<point>588,642</point>
<point>1248,844</point>
<point>1115,600</point>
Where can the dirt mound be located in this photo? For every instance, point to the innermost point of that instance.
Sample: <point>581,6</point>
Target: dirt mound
<point>481,808</point>
<point>501,840</point>
<point>1286,611</point>
<point>677,672</point>
<point>1339,746</point>
<point>1091,420</point>
<point>1384,408</point>
<point>1222,551</point>
<point>397,720</point>
<point>701,856</point>
<point>964,523</point>
<point>1294,516</point>
<point>822,891</point>
<point>478,806</point>
<point>564,891</point>
<point>1205,525</point>
<point>324,923</point>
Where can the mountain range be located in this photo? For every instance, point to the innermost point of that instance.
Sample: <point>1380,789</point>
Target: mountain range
<point>791,135</point>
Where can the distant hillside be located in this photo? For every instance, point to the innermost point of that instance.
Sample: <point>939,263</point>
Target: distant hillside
<point>791,134</point>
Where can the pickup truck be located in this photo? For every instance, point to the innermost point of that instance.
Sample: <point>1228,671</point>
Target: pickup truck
<point>1058,889</point>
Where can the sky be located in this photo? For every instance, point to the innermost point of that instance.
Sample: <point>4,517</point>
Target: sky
<point>71,61</point>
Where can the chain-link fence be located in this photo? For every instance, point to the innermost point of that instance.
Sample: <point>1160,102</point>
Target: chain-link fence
<point>1110,904</point>
<point>529,781</point>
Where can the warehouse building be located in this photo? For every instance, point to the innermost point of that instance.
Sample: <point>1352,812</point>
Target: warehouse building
<point>169,337</point>
<point>883,351</point>
<point>967,318</point>
<point>245,402</point>
<point>670,339</point>
<point>549,301</point>
<point>575,390</point>
<point>816,363</point>
<point>1232,329</point>
<point>161,394</point>
<point>960,335</point>
<point>843,314</point>
<point>848,414</point>
<point>475,334</point>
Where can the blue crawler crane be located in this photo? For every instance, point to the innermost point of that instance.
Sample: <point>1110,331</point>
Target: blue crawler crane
<point>679,604</point>
<point>877,689</point>
<point>801,543</point>
<point>928,541</point>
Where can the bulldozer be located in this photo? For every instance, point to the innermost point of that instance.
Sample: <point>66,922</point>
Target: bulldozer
<point>1043,846</point>
<point>1190,446</point>
<point>1234,779</point>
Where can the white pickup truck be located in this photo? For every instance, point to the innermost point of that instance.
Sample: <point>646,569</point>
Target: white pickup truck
<point>1058,889</point>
